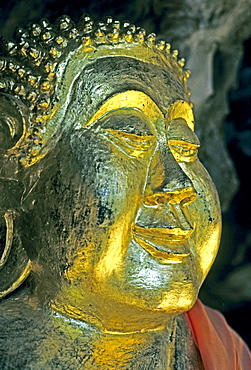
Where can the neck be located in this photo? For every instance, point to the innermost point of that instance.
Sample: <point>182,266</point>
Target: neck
<point>104,350</point>
<point>171,348</point>
<point>73,344</point>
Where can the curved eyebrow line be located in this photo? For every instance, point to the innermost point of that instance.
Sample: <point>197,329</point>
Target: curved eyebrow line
<point>180,109</point>
<point>129,99</point>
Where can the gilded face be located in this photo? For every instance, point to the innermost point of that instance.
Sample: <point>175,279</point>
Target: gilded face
<point>151,215</point>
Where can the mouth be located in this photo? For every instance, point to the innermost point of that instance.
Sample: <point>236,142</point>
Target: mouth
<point>166,245</point>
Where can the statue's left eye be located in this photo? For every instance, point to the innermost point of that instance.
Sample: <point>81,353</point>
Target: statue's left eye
<point>183,151</point>
<point>182,141</point>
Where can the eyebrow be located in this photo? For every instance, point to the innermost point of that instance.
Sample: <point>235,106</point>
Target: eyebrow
<point>180,109</point>
<point>129,99</point>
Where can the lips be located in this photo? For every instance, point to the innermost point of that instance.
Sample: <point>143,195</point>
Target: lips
<point>169,245</point>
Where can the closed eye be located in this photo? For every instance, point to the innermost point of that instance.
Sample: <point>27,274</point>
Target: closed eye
<point>182,141</point>
<point>137,141</point>
<point>183,151</point>
<point>129,129</point>
<point>133,144</point>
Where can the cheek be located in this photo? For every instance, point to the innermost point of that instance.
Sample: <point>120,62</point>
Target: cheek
<point>118,183</point>
<point>110,189</point>
<point>112,182</point>
<point>206,217</point>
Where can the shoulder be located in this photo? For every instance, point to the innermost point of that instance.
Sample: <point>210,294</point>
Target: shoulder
<point>217,342</point>
<point>20,333</point>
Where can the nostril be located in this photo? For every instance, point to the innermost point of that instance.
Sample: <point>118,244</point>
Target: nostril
<point>156,199</point>
<point>151,200</point>
<point>162,199</point>
<point>188,200</point>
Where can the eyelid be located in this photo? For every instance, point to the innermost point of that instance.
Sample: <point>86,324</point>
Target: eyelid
<point>184,143</point>
<point>179,130</point>
<point>138,142</point>
<point>183,151</point>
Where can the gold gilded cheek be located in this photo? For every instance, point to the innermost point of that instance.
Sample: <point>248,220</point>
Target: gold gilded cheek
<point>206,215</point>
<point>103,246</point>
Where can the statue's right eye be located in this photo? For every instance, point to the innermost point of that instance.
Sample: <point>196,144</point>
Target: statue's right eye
<point>137,142</point>
<point>129,130</point>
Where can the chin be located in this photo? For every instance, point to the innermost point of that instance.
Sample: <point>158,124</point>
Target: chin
<point>179,300</point>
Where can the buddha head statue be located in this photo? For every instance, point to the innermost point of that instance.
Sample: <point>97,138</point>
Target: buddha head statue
<point>106,208</point>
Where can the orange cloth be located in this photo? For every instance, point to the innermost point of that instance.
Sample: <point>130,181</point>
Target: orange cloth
<point>220,347</point>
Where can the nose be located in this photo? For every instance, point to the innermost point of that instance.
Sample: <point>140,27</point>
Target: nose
<point>167,182</point>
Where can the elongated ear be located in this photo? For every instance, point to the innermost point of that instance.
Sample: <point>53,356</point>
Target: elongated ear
<point>14,262</point>
<point>12,125</point>
<point>15,265</point>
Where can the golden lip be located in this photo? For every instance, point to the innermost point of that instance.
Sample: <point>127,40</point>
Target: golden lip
<point>167,245</point>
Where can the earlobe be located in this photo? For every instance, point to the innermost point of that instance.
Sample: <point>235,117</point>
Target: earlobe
<point>8,217</point>
<point>15,265</point>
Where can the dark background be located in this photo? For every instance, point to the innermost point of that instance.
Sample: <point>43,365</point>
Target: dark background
<point>214,36</point>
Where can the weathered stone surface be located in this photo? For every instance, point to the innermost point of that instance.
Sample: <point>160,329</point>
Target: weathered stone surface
<point>209,34</point>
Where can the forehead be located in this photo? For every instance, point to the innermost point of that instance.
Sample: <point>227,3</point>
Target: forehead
<point>110,76</point>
